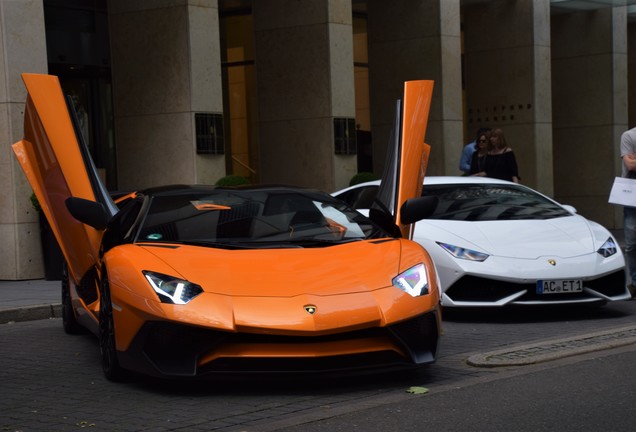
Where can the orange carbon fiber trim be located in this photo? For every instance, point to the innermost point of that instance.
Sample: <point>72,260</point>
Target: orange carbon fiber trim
<point>303,350</point>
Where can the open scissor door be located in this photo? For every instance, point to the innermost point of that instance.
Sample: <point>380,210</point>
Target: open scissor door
<point>407,155</point>
<point>57,165</point>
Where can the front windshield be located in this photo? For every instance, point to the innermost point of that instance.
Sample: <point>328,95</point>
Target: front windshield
<point>486,202</point>
<point>249,218</point>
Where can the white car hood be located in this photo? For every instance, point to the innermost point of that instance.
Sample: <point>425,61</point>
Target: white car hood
<point>526,239</point>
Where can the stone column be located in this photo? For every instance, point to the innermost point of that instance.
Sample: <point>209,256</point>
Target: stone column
<point>414,40</point>
<point>631,73</point>
<point>508,85</point>
<point>589,70</point>
<point>631,101</point>
<point>166,67</point>
<point>304,70</point>
<point>23,49</point>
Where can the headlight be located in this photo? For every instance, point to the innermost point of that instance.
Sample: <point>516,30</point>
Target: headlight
<point>413,281</point>
<point>172,290</point>
<point>608,249</point>
<point>463,253</point>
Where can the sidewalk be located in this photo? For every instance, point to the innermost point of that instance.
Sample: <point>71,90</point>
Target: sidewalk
<point>27,300</point>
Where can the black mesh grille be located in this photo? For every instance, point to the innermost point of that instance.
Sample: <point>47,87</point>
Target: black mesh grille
<point>344,130</point>
<point>610,285</point>
<point>209,133</point>
<point>419,337</point>
<point>473,288</point>
<point>174,349</point>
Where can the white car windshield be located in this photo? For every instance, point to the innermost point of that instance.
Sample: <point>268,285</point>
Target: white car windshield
<point>483,202</point>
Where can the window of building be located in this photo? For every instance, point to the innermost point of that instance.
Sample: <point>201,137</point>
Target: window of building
<point>361,82</point>
<point>78,52</point>
<point>239,87</point>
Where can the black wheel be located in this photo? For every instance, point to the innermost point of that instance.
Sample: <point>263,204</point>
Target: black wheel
<point>110,364</point>
<point>69,320</point>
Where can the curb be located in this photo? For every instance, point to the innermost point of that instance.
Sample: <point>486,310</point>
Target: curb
<point>30,313</point>
<point>522,355</point>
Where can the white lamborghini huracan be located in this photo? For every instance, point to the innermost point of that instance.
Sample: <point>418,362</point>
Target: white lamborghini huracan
<point>498,243</point>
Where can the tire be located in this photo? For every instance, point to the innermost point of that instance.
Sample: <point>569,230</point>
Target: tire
<point>69,320</point>
<point>108,351</point>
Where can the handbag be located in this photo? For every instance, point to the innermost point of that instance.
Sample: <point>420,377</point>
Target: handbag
<point>623,192</point>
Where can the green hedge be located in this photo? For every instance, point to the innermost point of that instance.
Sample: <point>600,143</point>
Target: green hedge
<point>232,180</point>
<point>363,177</point>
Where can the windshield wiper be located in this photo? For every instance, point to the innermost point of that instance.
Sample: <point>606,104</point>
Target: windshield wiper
<point>212,244</point>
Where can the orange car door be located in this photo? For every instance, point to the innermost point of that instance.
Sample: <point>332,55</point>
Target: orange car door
<point>414,152</point>
<point>407,155</point>
<point>51,156</point>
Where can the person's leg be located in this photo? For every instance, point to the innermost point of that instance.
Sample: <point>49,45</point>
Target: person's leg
<point>630,243</point>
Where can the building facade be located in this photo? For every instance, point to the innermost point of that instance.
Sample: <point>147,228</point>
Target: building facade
<point>303,92</point>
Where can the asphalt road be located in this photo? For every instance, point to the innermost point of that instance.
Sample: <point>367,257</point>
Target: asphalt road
<point>595,392</point>
<point>53,382</point>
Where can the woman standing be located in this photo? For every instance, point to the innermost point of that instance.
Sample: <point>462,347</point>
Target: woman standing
<point>478,161</point>
<point>501,162</point>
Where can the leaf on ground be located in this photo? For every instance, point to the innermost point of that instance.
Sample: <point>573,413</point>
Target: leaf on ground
<point>417,390</point>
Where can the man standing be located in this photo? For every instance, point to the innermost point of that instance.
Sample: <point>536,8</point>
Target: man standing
<point>628,155</point>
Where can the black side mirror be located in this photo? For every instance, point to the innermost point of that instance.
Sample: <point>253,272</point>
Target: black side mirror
<point>88,212</point>
<point>385,221</point>
<point>416,209</point>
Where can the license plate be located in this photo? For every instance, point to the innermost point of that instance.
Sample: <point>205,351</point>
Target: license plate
<point>559,286</point>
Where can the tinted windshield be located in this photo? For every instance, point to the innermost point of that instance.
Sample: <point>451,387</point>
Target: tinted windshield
<point>247,218</point>
<point>491,202</point>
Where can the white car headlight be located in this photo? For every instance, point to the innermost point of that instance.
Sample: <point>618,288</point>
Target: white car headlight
<point>172,290</point>
<point>413,281</point>
<point>463,253</point>
<point>608,249</point>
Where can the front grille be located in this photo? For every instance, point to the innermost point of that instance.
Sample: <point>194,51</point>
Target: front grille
<point>611,285</point>
<point>478,289</point>
<point>174,349</point>
<point>473,288</point>
<point>418,337</point>
<point>350,362</point>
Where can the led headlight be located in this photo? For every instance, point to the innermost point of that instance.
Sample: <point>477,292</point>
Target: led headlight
<point>413,281</point>
<point>463,253</point>
<point>608,249</point>
<point>172,290</point>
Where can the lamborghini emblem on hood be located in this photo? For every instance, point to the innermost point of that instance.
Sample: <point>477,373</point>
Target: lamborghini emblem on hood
<point>310,309</point>
<point>552,262</point>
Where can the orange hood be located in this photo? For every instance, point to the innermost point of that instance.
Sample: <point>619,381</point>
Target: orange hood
<point>350,268</point>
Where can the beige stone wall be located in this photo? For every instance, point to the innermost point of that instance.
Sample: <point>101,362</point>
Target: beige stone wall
<point>631,101</point>
<point>589,73</point>
<point>304,70</point>
<point>556,83</point>
<point>166,66</point>
<point>508,86</point>
<point>22,49</point>
<point>413,40</point>
<point>631,74</point>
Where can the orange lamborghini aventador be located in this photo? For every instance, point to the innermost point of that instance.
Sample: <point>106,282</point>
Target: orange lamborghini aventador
<point>184,281</point>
